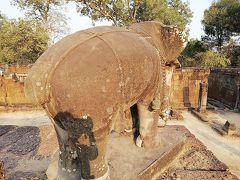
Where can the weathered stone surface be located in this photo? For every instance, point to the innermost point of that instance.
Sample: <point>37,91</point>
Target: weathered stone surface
<point>20,136</point>
<point>185,87</point>
<point>10,162</point>
<point>197,174</point>
<point>200,116</point>
<point>2,174</point>
<point>14,136</point>
<point>28,142</point>
<point>219,129</point>
<point>6,129</point>
<point>176,115</point>
<point>224,86</point>
<point>11,87</point>
<point>27,175</point>
<point>201,160</point>
<point>196,162</point>
<point>20,155</point>
<point>12,94</point>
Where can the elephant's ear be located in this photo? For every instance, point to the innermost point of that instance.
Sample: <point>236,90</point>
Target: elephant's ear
<point>167,39</point>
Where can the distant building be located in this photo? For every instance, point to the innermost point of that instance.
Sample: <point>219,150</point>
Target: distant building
<point>14,71</point>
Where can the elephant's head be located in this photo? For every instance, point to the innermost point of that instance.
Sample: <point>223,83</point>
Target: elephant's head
<point>167,39</point>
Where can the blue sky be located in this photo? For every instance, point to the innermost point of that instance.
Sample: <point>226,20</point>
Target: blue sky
<point>77,22</point>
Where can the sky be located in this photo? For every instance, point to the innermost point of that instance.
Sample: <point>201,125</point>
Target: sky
<point>77,22</point>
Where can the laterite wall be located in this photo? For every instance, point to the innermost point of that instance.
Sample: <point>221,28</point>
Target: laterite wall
<point>224,86</point>
<point>185,87</point>
<point>12,94</point>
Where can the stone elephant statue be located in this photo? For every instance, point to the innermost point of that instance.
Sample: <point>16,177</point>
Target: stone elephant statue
<point>88,78</point>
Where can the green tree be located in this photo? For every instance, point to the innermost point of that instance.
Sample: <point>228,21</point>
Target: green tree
<point>212,59</point>
<point>188,55</point>
<point>198,54</point>
<point>21,41</point>
<point>49,13</point>
<point>221,21</point>
<point>170,12</point>
<point>232,51</point>
<point>125,12</point>
<point>235,57</point>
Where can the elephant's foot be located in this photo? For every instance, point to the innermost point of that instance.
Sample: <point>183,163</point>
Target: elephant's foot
<point>139,141</point>
<point>161,122</point>
<point>148,143</point>
<point>68,174</point>
<point>104,177</point>
<point>56,172</point>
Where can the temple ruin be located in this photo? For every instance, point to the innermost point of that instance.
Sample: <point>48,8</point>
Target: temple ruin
<point>128,130</point>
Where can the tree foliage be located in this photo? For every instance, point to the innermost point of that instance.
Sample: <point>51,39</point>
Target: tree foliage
<point>21,41</point>
<point>232,51</point>
<point>221,21</point>
<point>193,47</point>
<point>170,12</point>
<point>48,12</point>
<point>125,12</point>
<point>212,59</point>
<point>198,54</point>
<point>235,57</point>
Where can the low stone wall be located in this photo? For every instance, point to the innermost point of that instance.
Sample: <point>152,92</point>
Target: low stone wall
<point>224,86</point>
<point>186,87</point>
<point>12,95</point>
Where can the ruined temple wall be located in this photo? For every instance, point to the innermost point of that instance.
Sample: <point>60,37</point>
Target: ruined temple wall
<point>186,87</point>
<point>12,94</point>
<point>224,86</point>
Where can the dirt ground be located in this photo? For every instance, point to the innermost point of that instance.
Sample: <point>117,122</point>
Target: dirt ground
<point>226,149</point>
<point>220,116</point>
<point>24,118</point>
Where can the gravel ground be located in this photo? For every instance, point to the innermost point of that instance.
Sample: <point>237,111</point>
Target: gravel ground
<point>226,149</point>
<point>196,162</point>
<point>27,142</point>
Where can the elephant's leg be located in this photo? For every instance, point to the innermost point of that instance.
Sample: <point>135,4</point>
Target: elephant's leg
<point>148,126</point>
<point>68,161</point>
<point>82,150</point>
<point>128,124</point>
<point>95,166</point>
<point>123,121</point>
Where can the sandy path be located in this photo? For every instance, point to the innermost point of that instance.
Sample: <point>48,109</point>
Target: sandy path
<point>226,149</point>
<point>24,118</point>
<point>232,117</point>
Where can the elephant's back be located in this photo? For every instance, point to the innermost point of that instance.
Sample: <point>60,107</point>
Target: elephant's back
<point>110,68</point>
<point>37,86</point>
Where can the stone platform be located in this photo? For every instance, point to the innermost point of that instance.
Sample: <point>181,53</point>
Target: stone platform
<point>127,161</point>
<point>25,154</point>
